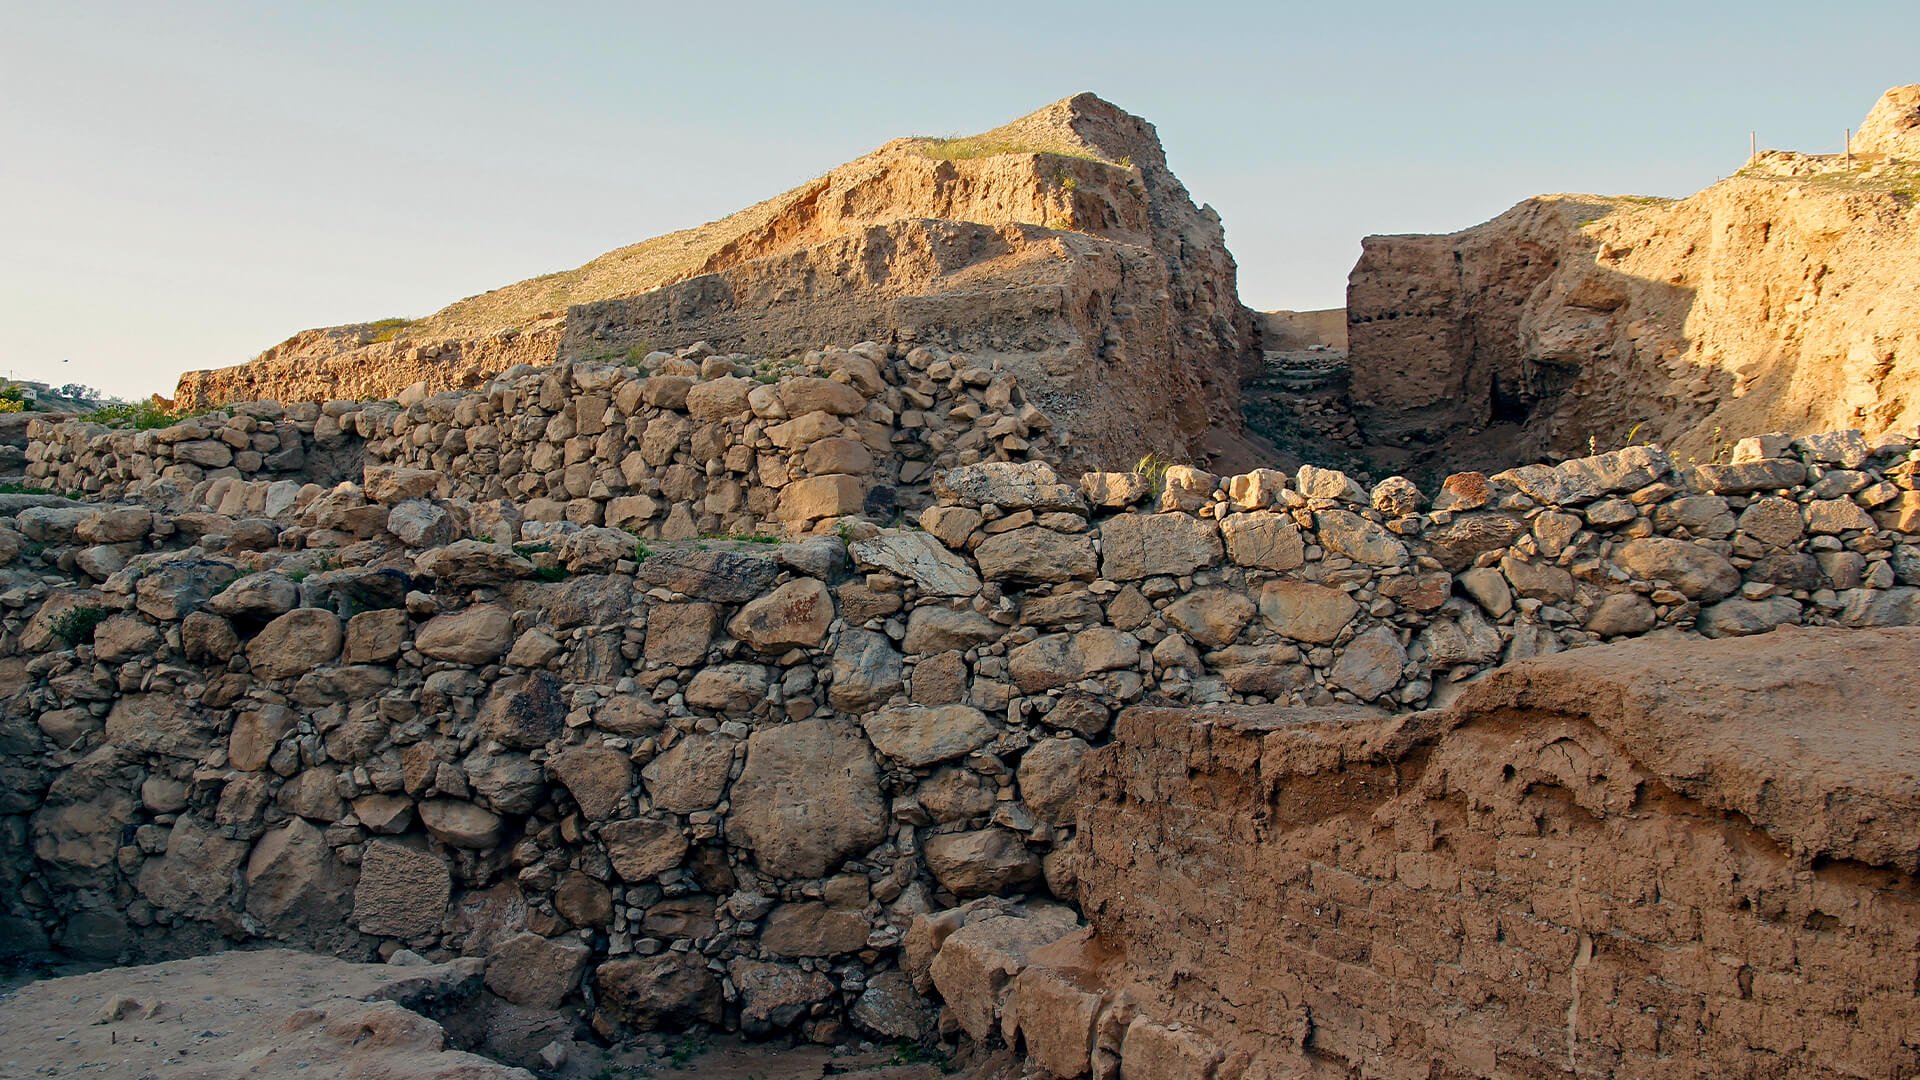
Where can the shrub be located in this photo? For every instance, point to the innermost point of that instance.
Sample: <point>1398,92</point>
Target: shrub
<point>387,329</point>
<point>140,415</point>
<point>75,626</point>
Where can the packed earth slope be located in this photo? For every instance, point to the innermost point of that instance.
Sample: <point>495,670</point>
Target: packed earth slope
<point>1779,299</point>
<point>1060,246</point>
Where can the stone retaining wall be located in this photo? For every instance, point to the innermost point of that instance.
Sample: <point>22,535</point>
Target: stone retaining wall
<point>718,780</point>
<point>670,447</point>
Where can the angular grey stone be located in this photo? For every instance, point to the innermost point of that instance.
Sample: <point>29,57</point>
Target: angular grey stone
<point>919,558</point>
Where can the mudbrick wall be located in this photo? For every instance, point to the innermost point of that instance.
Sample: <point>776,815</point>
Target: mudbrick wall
<point>1658,858</point>
<point>724,780</point>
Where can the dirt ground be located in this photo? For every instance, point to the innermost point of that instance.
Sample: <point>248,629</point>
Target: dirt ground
<point>271,1013</point>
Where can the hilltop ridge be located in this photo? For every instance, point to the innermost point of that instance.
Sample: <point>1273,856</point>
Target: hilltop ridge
<point>1059,245</point>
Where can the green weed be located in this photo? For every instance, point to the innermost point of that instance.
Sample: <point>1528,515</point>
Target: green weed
<point>1154,468</point>
<point>76,625</point>
<point>387,329</point>
<point>140,415</point>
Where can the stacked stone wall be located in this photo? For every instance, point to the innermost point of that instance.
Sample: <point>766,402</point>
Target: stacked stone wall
<point>671,447</point>
<point>719,780</point>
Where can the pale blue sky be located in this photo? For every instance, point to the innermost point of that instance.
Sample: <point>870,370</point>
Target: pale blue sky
<point>183,184</point>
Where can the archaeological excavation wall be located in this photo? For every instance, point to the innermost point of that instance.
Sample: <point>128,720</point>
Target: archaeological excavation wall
<point>1659,858</point>
<point>722,780</point>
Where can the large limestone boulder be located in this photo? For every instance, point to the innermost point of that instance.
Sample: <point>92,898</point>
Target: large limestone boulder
<point>476,635</point>
<point>295,885</point>
<point>918,736</point>
<point>667,991</point>
<point>1135,546</point>
<point>1697,572</point>
<point>1030,485</point>
<point>808,798</point>
<point>919,558</point>
<point>984,862</point>
<point>534,971</point>
<point>866,671</point>
<point>775,996</point>
<point>795,615</point>
<point>976,962</point>
<point>691,775</point>
<point>597,778</point>
<point>524,710</point>
<point>1035,555</point>
<point>642,849</point>
<point>295,643</point>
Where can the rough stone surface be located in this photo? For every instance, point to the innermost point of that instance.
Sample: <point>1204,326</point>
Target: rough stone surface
<point>808,798</point>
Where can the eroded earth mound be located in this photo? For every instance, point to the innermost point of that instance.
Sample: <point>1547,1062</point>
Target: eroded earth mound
<point>1059,245</point>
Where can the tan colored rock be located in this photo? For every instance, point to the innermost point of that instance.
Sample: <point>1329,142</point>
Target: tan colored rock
<point>643,849</point>
<point>390,485</point>
<point>918,736</point>
<point>809,929</point>
<point>933,629</point>
<point>985,862</point>
<point>524,710</point>
<point>295,643</point>
<point>976,962</point>
<point>474,635</point>
<point>718,399</point>
<point>730,689</point>
<point>1306,612</point>
<point>295,885</point>
<point>1263,540</point>
<point>915,556</point>
<point>1036,555</point>
<point>793,615</point>
<point>375,637</point>
<point>668,991</point>
<point>808,798</point>
<point>402,893</point>
<point>1698,572</point>
<point>1058,659</point>
<point>692,775</point>
<point>461,824</point>
<point>1049,779</point>
<point>598,778</point>
<point>537,972</point>
<point>818,497</point>
<point>1212,617</point>
<point>1134,546</point>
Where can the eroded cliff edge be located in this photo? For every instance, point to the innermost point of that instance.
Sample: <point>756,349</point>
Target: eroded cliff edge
<point>1779,299</point>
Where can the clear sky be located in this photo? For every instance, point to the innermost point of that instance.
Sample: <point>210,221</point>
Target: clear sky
<point>183,184</point>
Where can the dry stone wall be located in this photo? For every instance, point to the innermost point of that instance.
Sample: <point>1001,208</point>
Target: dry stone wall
<point>721,781</point>
<point>671,447</point>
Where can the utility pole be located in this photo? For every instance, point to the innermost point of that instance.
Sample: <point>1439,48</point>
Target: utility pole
<point>1848,143</point>
<point>1753,146</point>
